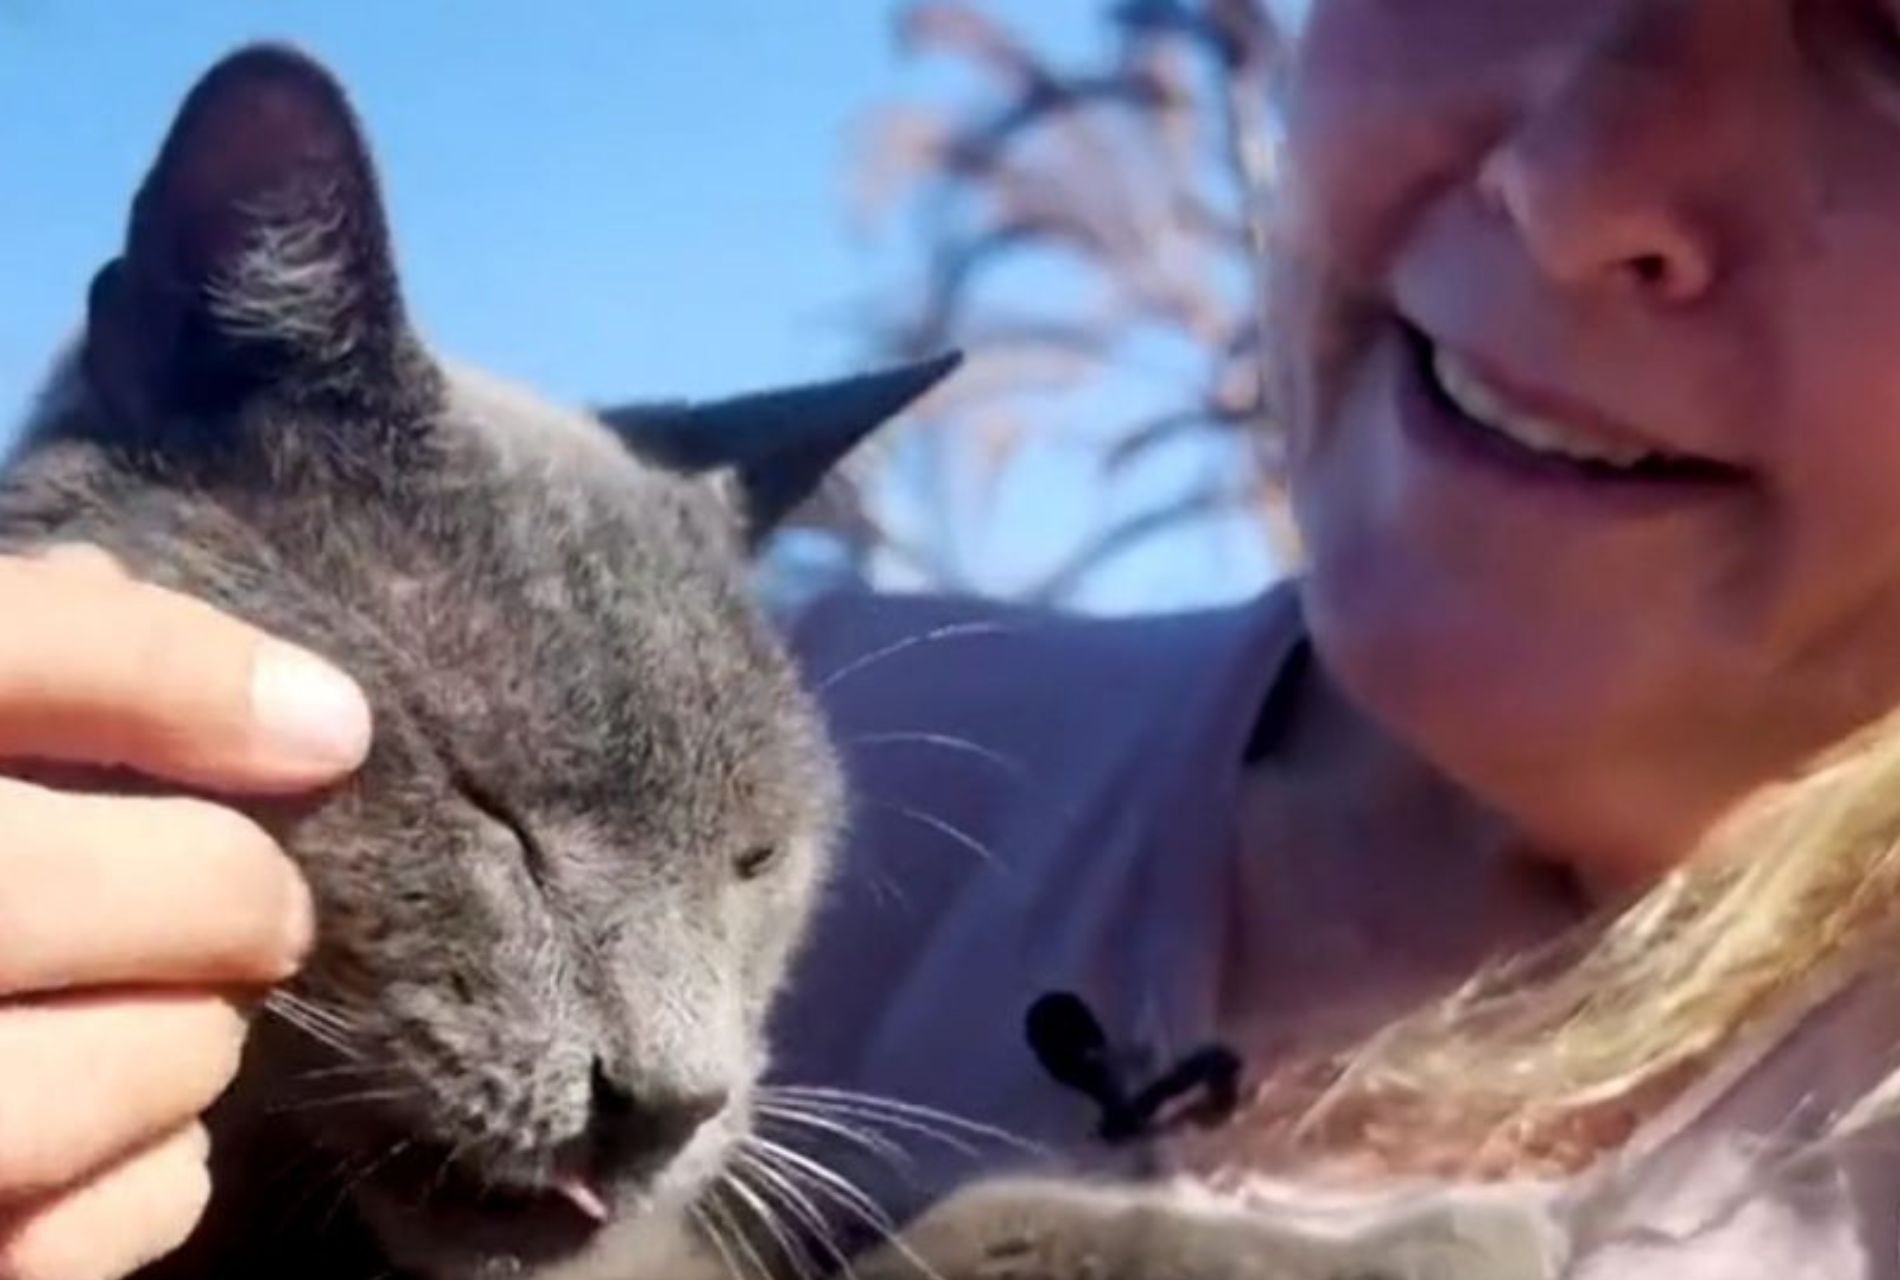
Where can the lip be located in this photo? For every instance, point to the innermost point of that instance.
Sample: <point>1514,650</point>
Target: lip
<point>1444,434</point>
<point>1545,402</point>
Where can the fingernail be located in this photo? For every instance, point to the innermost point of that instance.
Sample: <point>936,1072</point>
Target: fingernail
<point>308,713</point>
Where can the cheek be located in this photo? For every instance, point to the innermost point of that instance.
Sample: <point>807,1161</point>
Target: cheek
<point>1832,442</point>
<point>1837,462</point>
<point>1380,125</point>
<point>1840,459</point>
<point>1392,101</point>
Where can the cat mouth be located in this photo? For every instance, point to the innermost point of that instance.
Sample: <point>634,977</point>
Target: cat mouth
<point>441,1213</point>
<point>433,1202</point>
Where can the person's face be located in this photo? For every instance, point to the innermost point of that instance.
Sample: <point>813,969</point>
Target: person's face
<point>1589,313</point>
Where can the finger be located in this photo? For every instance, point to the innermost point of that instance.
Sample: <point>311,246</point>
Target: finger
<point>134,1214</point>
<point>107,671</point>
<point>98,891</point>
<point>82,557</point>
<point>84,1082</point>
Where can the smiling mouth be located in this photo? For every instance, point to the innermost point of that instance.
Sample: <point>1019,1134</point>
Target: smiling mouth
<point>1549,440</point>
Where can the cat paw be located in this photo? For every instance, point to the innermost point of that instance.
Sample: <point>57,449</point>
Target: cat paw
<point>1476,1237</point>
<point>1039,1229</point>
<point>1002,1229</point>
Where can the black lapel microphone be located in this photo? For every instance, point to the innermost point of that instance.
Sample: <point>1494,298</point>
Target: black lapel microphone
<point>1068,1041</point>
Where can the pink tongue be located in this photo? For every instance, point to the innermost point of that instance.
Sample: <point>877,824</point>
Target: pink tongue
<point>574,1189</point>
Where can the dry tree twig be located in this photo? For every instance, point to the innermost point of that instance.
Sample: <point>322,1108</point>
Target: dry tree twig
<point>1132,178</point>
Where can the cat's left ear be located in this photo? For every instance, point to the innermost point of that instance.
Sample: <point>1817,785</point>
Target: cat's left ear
<point>776,446</point>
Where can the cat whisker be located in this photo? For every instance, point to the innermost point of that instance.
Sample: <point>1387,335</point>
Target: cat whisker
<point>1010,765</point>
<point>881,1102</point>
<point>893,1110</point>
<point>710,1229</point>
<point>806,1117</point>
<point>299,1159</point>
<point>356,1070</point>
<point>936,635</point>
<point>762,1209</point>
<point>441,1174</point>
<point>902,1124</point>
<point>734,1232</point>
<point>325,1026</point>
<point>340,1100</point>
<point>315,1011</point>
<point>801,1206</point>
<point>942,826</point>
<point>292,1014</point>
<point>338,1170</point>
<point>947,742</point>
<point>846,1194</point>
<point>362,1175</point>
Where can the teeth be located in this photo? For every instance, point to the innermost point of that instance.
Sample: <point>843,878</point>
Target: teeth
<point>1484,406</point>
<point>580,1193</point>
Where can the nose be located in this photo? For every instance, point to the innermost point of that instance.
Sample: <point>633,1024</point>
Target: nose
<point>643,1125</point>
<point>1635,164</point>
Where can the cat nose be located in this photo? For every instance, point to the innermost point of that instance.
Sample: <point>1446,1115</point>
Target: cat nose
<point>646,1126</point>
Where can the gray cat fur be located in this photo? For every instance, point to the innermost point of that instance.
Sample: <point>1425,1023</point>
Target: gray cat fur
<point>584,728</point>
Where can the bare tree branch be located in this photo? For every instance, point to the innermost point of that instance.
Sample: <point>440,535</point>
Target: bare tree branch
<point>1137,176</point>
<point>1061,584</point>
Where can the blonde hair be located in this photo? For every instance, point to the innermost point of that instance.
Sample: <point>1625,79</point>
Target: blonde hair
<point>1542,1064</point>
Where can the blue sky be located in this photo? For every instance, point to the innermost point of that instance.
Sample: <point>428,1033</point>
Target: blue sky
<point>606,199</point>
<point>611,198</point>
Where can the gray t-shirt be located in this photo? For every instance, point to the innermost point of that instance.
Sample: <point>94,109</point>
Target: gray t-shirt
<point>1045,802</point>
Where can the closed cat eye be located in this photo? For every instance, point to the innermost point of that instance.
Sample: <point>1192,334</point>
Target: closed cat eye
<point>756,861</point>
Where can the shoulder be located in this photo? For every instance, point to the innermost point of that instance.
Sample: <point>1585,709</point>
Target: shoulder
<point>992,726</point>
<point>869,656</point>
<point>1014,775</point>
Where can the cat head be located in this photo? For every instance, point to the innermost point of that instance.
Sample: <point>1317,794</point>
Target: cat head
<point>556,901</point>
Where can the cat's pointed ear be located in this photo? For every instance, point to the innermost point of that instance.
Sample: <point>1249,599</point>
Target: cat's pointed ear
<point>777,446</point>
<point>257,252</point>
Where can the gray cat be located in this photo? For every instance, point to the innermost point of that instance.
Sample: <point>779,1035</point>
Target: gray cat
<point>557,900</point>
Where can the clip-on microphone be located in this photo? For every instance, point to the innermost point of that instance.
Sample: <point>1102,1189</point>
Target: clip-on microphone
<point>1068,1040</point>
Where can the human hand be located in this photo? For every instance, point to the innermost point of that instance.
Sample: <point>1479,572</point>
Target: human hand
<point>127,924</point>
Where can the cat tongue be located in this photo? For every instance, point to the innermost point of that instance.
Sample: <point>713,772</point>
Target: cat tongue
<point>575,1190</point>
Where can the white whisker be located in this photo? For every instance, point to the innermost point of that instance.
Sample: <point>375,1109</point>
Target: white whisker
<point>951,631</point>
<point>893,1110</point>
<point>947,742</point>
<point>734,1232</point>
<point>941,826</point>
<point>339,1100</point>
<point>802,1207</point>
<point>710,1230</point>
<point>846,1194</point>
<point>850,1195</point>
<point>809,1118</point>
<point>762,1209</point>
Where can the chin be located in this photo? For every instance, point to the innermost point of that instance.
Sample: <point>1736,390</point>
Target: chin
<point>1552,643</point>
<point>1530,724</point>
<point>455,1229</point>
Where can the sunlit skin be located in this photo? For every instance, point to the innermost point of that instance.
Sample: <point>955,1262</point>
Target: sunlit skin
<point>1672,225</point>
<point>134,931</point>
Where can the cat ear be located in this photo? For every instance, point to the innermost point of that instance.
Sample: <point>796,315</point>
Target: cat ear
<point>776,446</point>
<point>257,254</point>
